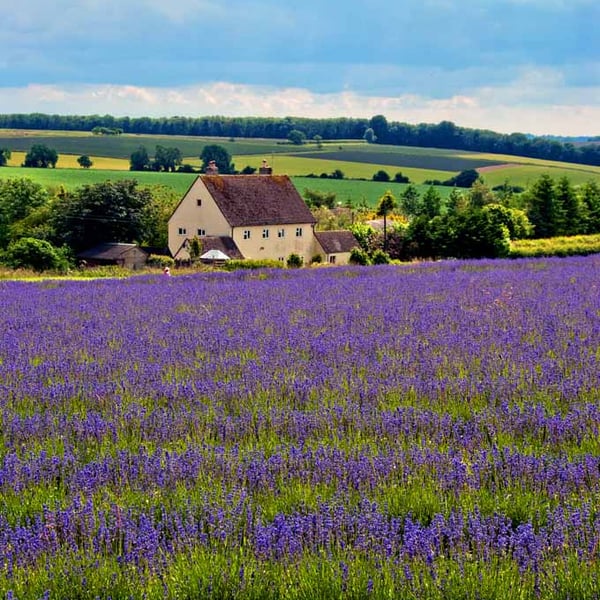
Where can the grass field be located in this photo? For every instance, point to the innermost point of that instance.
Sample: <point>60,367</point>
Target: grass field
<point>72,178</point>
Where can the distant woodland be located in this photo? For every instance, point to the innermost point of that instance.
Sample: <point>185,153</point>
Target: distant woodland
<point>377,130</point>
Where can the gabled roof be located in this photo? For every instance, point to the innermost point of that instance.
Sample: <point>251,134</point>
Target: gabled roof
<point>223,244</point>
<point>109,251</point>
<point>334,242</point>
<point>247,200</point>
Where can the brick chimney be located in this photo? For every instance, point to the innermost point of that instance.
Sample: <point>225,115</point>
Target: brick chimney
<point>211,168</point>
<point>265,169</point>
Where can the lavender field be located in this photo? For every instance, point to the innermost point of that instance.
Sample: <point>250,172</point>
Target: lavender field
<point>415,431</point>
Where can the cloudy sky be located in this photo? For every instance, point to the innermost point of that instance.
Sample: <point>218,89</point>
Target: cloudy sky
<point>506,65</point>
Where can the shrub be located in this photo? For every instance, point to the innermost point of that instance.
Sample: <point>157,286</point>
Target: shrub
<point>39,255</point>
<point>265,263</point>
<point>316,259</point>
<point>380,257</point>
<point>160,260</point>
<point>294,261</point>
<point>358,256</point>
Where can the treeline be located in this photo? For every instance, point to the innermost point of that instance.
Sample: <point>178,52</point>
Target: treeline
<point>478,222</point>
<point>375,130</point>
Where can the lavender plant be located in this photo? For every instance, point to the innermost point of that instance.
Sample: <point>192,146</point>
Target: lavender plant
<point>418,431</point>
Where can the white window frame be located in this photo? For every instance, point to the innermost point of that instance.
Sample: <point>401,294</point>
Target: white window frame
<point>298,231</point>
<point>281,232</point>
<point>265,234</point>
<point>201,232</point>
<point>182,231</point>
<point>246,234</point>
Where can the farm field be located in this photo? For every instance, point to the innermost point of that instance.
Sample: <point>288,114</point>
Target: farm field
<point>356,159</point>
<point>420,431</point>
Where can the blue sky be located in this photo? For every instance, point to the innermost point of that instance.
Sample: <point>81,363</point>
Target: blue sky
<point>506,65</point>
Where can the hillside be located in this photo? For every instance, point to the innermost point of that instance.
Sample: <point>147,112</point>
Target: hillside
<point>313,162</point>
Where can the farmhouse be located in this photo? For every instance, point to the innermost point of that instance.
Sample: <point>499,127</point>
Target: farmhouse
<point>247,216</point>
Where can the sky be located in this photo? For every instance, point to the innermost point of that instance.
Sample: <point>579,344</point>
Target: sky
<point>530,66</point>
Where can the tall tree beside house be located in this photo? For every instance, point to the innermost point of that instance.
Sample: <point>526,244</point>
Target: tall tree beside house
<point>387,203</point>
<point>221,157</point>
<point>111,211</point>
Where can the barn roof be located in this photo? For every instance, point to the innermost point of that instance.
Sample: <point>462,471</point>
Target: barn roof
<point>109,251</point>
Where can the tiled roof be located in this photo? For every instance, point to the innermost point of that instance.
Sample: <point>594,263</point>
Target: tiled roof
<point>333,242</point>
<point>257,199</point>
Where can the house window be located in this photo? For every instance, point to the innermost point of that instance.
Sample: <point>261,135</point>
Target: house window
<point>201,232</point>
<point>199,202</point>
<point>281,259</point>
<point>265,233</point>
<point>298,231</point>
<point>182,231</point>
<point>246,234</point>
<point>332,259</point>
<point>281,232</point>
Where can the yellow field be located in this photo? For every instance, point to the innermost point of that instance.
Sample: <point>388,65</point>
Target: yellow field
<point>69,161</point>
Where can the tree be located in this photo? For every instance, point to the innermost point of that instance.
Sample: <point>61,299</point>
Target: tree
<point>318,140</point>
<point>19,197</point>
<point>166,159</point>
<point>40,156</point>
<point>221,157</point>
<point>85,161</point>
<point>589,195</point>
<point>111,211</point>
<point>543,211</point>
<point>464,179</point>
<point>139,160</point>
<point>399,178</point>
<point>317,198</point>
<point>39,255</point>
<point>569,207</point>
<point>381,175</point>
<point>337,174</point>
<point>5,155</point>
<point>296,137</point>
<point>410,201</point>
<point>380,127</point>
<point>432,202</point>
<point>387,203</point>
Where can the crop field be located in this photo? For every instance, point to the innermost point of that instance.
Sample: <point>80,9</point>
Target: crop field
<point>435,162</point>
<point>423,431</point>
<point>121,146</point>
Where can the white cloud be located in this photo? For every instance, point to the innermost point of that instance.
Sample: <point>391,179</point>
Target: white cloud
<point>509,108</point>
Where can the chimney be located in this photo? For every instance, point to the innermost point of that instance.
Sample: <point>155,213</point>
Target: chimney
<point>211,168</point>
<point>265,169</point>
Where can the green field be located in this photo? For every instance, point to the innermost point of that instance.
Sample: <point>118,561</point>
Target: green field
<point>357,160</point>
<point>73,178</point>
